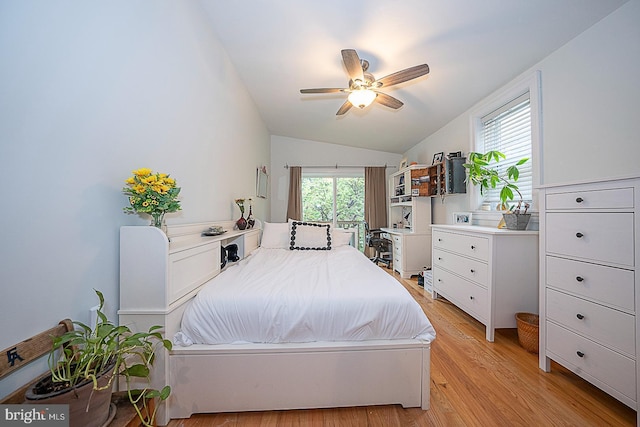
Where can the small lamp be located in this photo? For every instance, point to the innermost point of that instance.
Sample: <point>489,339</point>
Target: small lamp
<point>361,98</point>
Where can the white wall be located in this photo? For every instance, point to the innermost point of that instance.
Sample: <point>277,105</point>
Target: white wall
<point>300,152</point>
<point>590,110</point>
<point>90,91</point>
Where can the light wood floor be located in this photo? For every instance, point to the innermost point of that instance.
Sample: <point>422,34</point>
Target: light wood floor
<point>473,383</point>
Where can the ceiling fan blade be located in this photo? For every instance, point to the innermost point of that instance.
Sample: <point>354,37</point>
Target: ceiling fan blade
<point>345,107</point>
<point>403,76</point>
<point>388,101</point>
<point>354,66</point>
<point>322,90</point>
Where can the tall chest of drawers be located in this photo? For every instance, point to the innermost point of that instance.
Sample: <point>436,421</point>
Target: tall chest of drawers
<point>489,273</point>
<point>589,284</point>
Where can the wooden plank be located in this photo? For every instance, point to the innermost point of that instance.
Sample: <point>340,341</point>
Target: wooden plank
<point>32,348</point>
<point>25,352</point>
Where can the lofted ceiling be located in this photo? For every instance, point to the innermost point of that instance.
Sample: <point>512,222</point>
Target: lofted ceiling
<point>472,48</point>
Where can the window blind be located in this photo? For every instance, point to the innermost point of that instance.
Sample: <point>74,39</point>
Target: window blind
<point>508,130</point>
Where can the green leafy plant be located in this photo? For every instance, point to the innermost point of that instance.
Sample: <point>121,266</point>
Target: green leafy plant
<point>483,172</point>
<point>87,353</point>
<point>240,203</point>
<point>151,193</point>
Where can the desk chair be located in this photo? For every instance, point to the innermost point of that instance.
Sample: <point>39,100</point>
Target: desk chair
<point>382,247</point>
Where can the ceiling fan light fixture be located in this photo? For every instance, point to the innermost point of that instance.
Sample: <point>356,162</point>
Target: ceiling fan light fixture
<point>362,98</point>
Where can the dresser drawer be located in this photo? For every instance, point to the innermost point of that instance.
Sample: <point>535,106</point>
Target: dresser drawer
<point>608,285</point>
<point>470,297</point>
<point>471,246</point>
<point>607,366</point>
<point>471,269</point>
<point>617,198</point>
<point>602,237</point>
<point>605,325</point>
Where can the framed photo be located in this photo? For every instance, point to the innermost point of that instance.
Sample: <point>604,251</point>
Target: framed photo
<point>403,163</point>
<point>262,180</point>
<point>437,158</point>
<point>462,218</point>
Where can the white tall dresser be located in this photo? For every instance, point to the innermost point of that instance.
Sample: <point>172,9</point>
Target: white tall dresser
<point>589,283</point>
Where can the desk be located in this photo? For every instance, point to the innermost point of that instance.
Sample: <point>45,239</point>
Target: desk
<point>411,250</point>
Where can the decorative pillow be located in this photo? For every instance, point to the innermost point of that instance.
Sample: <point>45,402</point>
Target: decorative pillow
<point>340,238</point>
<point>275,235</point>
<point>307,236</point>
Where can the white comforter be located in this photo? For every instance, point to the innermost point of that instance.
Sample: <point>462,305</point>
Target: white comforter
<point>279,296</point>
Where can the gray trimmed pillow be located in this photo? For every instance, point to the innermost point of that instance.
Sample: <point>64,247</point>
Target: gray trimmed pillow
<point>307,236</point>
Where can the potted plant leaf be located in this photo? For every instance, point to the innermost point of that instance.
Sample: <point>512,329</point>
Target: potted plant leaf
<point>483,172</point>
<point>84,362</point>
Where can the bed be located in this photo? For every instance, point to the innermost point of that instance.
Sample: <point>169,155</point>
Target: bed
<point>284,352</point>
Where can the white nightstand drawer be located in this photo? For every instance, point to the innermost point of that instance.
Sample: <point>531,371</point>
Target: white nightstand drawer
<point>617,198</point>
<point>607,285</point>
<point>468,296</point>
<point>604,325</point>
<point>586,357</point>
<point>464,244</point>
<point>471,269</point>
<point>596,236</point>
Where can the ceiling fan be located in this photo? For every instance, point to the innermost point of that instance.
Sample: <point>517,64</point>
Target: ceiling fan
<point>364,88</point>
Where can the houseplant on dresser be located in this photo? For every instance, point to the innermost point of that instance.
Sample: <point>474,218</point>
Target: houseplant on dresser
<point>484,173</point>
<point>84,362</point>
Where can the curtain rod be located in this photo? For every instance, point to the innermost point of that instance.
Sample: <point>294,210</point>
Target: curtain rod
<point>336,166</point>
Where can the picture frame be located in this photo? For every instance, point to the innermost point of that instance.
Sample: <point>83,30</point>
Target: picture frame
<point>403,163</point>
<point>437,158</point>
<point>262,180</point>
<point>462,218</point>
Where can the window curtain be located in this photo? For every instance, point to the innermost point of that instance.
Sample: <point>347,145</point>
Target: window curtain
<point>294,207</point>
<point>375,196</point>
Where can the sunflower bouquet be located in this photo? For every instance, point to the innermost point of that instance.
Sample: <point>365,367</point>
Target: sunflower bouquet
<point>151,193</point>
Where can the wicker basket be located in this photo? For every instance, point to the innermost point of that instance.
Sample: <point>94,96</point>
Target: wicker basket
<point>528,331</point>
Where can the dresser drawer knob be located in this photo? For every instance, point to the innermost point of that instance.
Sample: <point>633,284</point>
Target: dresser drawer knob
<point>473,247</point>
<point>580,316</point>
<point>579,200</point>
<point>439,240</point>
<point>579,279</point>
<point>580,354</point>
<point>439,258</point>
<point>579,235</point>
<point>471,297</point>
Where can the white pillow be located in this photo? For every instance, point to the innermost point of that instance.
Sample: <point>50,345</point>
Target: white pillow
<point>340,237</point>
<point>275,235</point>
<point>309,236</point>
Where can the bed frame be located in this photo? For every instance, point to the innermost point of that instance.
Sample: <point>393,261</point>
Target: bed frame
<point>160,273</point>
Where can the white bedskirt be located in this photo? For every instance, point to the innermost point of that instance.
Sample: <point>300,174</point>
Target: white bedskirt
<point>284,296</point>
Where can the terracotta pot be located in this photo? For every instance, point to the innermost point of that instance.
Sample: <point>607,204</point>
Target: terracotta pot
<point>87,407</point>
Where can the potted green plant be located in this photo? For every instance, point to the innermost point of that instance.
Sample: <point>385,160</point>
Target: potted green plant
<point>84,362</point>
<point>482,172</point>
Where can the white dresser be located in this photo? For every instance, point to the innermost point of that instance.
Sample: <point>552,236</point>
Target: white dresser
<point>589,287</point>
<point>489,273</point>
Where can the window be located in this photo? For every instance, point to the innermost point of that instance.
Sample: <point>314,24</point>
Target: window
<point>508,130</point>
<point>509,122</point>
<point>335,197</point>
